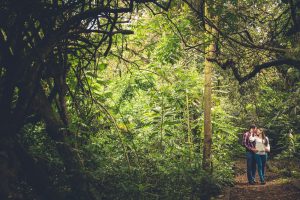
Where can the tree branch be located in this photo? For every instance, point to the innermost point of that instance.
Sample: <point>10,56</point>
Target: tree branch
<point>256,69</point>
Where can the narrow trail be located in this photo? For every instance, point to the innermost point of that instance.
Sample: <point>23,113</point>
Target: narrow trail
<point>276,188</point>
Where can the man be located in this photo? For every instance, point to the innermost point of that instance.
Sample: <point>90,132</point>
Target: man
<point>250,154</point>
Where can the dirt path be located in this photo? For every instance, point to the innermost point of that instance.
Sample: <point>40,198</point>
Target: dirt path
<point>276,188</point>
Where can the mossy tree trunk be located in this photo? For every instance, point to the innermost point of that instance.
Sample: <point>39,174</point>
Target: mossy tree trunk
<point>210,53</point>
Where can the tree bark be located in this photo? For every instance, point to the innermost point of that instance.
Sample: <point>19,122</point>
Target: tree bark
<point>208,67</point>
<point>206,163</point>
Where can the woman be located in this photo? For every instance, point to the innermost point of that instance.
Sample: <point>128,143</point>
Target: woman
<point>262,146</point>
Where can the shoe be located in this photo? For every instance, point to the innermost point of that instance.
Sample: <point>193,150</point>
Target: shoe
<point>263,183</point>
<point>252,183</point>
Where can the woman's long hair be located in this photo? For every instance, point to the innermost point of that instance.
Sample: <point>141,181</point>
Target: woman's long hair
<point>263,135</point>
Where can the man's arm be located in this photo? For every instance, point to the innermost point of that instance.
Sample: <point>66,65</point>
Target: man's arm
<point>245,138</point>
<point>246,141</point>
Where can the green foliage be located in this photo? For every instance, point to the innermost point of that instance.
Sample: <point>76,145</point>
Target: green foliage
<point>44,152</point>
<point>153,150</point>
<point>137,116</point>
<point>168,51</point>
<point>39,145</point>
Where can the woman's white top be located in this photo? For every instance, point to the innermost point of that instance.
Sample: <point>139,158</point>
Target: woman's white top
<point>259,145</point>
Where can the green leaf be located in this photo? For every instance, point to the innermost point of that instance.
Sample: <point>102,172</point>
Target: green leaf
<point>102,66</point>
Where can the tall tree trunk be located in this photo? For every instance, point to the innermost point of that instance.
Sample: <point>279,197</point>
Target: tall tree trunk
<point>206,163</point>
<point>208,67</point>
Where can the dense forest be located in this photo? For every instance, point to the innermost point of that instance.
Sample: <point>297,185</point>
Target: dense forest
<point>143,99</point>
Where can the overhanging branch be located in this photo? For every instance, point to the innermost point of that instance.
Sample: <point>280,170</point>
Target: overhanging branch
<point>256,69</point>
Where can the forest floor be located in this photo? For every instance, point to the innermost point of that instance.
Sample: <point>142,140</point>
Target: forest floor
<point>277,186</point>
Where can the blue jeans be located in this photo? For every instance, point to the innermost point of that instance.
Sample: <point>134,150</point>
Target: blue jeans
<point>251,166</point>
<point>261,165</point>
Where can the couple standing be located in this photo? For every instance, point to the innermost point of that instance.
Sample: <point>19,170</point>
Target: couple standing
<point>257,146</point>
